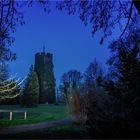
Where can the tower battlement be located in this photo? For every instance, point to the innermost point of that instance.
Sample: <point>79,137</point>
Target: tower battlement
<point>45,55</point>
<point>44,70</point>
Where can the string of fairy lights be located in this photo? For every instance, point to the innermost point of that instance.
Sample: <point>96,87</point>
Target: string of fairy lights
<point>8,88</point>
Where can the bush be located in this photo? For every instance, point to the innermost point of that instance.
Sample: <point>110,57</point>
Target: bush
<point>78,105</point>
<point>105,118</point>
<point>98,114</point>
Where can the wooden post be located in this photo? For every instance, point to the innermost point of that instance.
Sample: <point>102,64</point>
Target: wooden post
<point>25,115</point>
<point>11,113</point>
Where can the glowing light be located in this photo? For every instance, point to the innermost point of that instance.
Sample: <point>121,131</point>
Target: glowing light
<point>9,86</point>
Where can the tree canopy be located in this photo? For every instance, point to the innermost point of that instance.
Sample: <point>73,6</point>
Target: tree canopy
<point>102,15</point>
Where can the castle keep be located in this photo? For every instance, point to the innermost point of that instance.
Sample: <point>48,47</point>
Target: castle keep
<point>44,69</point>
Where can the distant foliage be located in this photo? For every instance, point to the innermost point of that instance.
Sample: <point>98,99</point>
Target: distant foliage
<point>30,95</point>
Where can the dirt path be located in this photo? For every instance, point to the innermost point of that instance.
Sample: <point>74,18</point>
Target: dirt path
<point>28,127</point>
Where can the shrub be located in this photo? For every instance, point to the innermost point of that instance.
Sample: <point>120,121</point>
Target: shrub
<point>105,118</point>
<point>78,105</point>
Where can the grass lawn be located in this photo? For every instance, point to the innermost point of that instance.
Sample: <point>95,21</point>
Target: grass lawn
<point>61,132</point>
<point>38,114</point>
<point>42,113</point>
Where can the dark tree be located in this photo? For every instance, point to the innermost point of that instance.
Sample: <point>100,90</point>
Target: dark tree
<point>30,95</point>
<point>70,80</point>
<point>11,16</point>
<point>72,77</point>
<point>3,72</point>
<point>103,15</point>
<point>125,62</point>
<point>93,76</point>
<point>115,113</point>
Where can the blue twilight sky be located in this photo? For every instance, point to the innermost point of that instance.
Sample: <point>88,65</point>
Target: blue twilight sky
<point>66,37</point>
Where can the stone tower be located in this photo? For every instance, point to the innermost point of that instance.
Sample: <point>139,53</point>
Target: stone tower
<point>44,70</point>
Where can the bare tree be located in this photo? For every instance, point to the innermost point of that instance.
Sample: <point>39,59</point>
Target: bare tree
<point>11,16</point>
<point>93,76</point>
<point>70,80</point>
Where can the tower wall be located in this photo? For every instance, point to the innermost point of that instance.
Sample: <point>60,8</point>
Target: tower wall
<point>44,70</point>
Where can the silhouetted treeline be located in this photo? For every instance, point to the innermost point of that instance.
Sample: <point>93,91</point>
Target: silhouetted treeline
<point>109,103</point>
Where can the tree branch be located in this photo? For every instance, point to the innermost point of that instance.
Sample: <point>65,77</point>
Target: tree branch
<point>8,12</point>
<point>129,17</point>
<point>11,20</point>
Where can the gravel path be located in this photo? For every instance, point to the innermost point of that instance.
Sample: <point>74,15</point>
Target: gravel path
<point>28,127</point>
